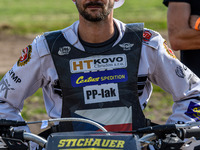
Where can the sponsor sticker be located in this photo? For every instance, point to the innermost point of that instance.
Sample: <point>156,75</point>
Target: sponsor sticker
<point>88,142</point>
<point>25,57</point>
<point>193,111</point>
<point>44,124</point>
<point>101,93</point>
<point>169,51</point>
<point>100,77</point>
<point>96,63</point>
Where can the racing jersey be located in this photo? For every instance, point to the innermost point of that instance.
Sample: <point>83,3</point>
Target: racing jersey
<point>35,69</point>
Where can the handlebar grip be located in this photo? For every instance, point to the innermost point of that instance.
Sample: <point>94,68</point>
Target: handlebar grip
<point>13,123</point>
<point>191,133</point>
<point>169,128</point>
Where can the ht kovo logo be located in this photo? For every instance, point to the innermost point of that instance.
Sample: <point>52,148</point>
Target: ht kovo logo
<point>100,62</point>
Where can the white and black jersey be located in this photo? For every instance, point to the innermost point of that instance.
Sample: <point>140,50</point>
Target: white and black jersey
<point>158,64</point>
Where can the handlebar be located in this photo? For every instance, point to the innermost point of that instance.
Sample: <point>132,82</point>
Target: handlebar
<point>145,140</point>
<point>73,119</point>
<point>13,123</point>
<point>34,138</point>
<point>148,139</point>
<point>152,133</point>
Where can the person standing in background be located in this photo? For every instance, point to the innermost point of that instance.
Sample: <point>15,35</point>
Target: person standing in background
<point>183,19</point>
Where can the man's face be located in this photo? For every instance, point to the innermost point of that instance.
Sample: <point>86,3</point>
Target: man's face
<point>94,10</point>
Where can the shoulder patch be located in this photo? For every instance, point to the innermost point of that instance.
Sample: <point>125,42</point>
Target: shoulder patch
<point>151,38</point>
<point>147,35</point>
<point>169,51</point>
<point>25,57</point>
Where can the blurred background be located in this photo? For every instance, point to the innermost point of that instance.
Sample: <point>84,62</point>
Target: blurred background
<point>22,20</point>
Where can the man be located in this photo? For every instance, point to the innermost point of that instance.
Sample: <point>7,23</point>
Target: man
<point>182,17</point>
<point>101,69</point>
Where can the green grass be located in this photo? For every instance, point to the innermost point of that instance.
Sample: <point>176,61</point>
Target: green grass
<point>1,76</point>
<point>36,16</point>
<point>152,13</point>
<point>159,107</point>
<point>34,105</point>
<point>33,16</point>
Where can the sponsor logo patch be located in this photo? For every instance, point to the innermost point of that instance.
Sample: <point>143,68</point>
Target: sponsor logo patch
<point>64,50</point>
<point>13,76</point>
<point>146,36</point>
<point>100,77</point>
<point>101,93</point>
<point>169,51</point>
<point>180,72</point>
<point>126,46</point>
<point>25,57</point>
<point>98,63</point>
<point>193,111</point>
<point>5,87</point>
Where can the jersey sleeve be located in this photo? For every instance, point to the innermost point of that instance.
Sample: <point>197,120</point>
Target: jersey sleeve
<point>178,80</point>
<point>20,82</point>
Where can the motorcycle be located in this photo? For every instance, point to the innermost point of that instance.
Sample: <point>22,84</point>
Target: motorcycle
<point>159,137</point>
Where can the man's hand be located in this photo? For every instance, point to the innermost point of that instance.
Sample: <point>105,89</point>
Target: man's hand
<point>193,19</point>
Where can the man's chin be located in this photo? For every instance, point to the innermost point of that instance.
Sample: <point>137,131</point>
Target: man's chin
<point>93,18</point>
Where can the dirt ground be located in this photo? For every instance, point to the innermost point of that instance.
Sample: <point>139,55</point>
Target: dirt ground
<point>10,51</point>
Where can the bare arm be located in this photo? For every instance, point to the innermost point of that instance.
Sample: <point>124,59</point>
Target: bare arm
<point>181,35</point>
<point>193,19</point>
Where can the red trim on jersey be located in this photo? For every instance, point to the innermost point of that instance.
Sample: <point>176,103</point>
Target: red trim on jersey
<point>119,127</point>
